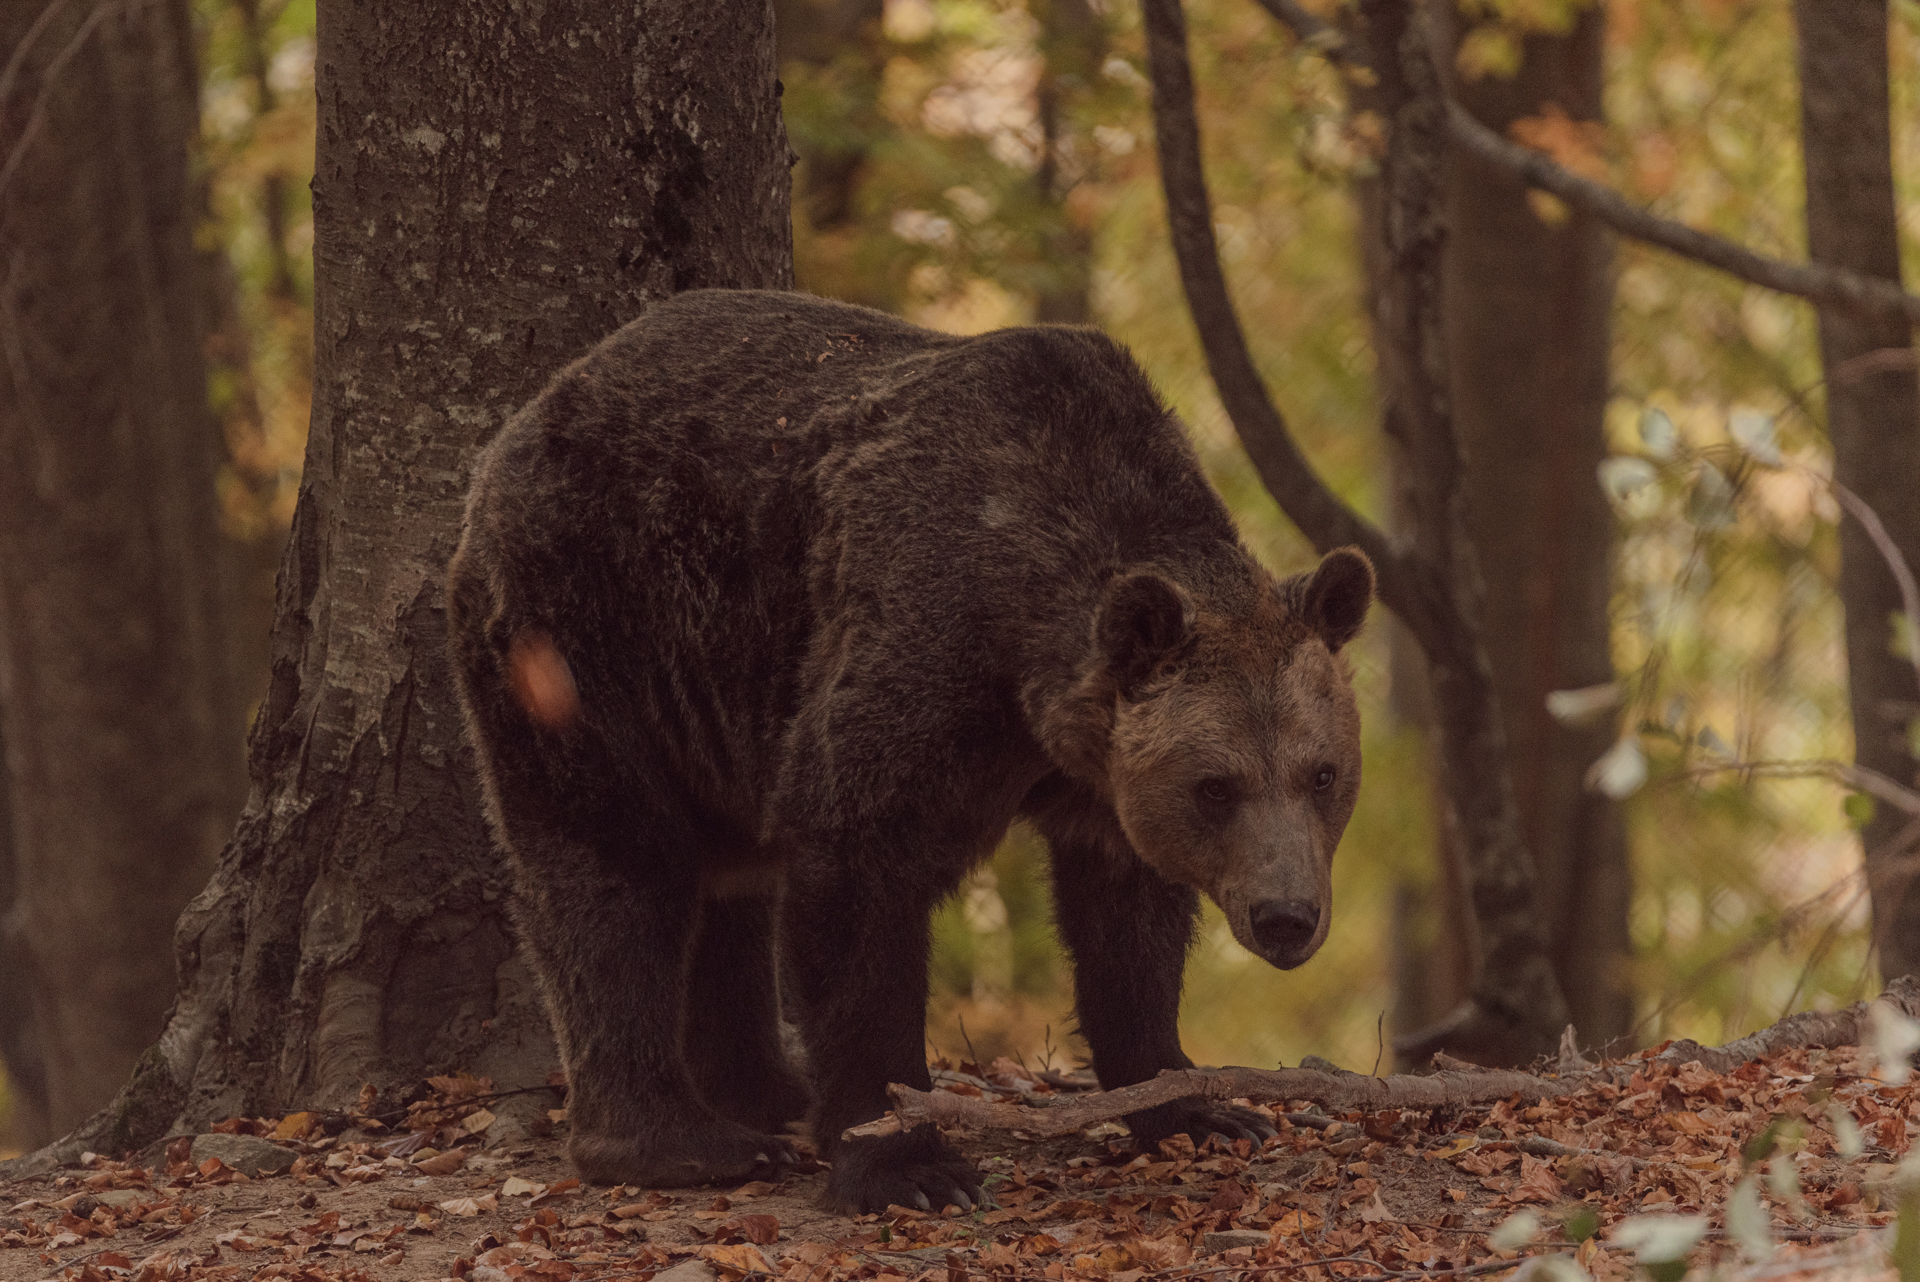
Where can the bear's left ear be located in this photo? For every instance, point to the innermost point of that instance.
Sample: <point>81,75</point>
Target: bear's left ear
<point>1333,600</point>
<point>1143,618</point>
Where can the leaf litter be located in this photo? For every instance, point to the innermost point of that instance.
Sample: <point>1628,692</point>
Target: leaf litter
<point>1791,1165</point>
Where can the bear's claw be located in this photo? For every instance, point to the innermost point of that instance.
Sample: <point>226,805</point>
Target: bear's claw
<point>1199,1121</point>
<point>916,1169</point>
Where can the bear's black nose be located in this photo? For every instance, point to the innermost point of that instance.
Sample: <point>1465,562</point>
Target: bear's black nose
<point>1283,928</point>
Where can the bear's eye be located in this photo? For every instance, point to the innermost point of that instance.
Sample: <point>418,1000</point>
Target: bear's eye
<point>1215,790</point>
<point>1323,778</point>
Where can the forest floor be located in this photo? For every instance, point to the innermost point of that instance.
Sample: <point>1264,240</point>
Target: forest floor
<point>1397,1195</point>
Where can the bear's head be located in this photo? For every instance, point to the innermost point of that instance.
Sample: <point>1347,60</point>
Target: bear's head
<point>1232,756</point>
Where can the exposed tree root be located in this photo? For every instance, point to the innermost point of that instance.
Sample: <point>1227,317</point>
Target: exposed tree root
<point>1454,1085</point>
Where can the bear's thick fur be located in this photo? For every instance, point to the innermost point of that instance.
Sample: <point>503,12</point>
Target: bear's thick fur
<point>771,614</point>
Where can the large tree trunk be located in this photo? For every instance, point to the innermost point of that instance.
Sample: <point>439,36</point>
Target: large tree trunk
<point>1527,307</point>
<point>1873,414</point>
<point>23,1121</point>
<point>122,730</point>
<point>498,186</point>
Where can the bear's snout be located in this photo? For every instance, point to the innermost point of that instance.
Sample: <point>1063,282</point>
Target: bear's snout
<point>1284,930</point>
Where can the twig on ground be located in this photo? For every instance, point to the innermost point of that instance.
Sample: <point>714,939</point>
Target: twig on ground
<point>1453,1086</point>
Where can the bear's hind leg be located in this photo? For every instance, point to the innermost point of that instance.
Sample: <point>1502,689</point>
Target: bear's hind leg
<point>611,938</point>
<point>732,1032</point>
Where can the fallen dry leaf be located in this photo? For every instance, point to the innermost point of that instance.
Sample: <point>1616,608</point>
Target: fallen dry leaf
<point>444,1164</point>
<point>467,1207</point>
<point>761,1230</point>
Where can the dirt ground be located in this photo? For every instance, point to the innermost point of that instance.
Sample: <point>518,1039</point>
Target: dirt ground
<point>1400,1195</point>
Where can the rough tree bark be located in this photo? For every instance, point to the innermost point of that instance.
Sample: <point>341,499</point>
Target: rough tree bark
<point>121,726</point>
<point>1516,1010</point>
<point>24,1123</point>
<point>497,187</point>
<point>1527,307</point>
<point>1873,412</point>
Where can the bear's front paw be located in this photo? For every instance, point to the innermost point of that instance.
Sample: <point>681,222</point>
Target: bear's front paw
<point>914,1169</point>
<point>1199,1120</point>
<point>697,1154</point>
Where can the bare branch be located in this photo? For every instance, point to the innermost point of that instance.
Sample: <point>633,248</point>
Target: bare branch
<point>1858,778</point>
<point>1455,1085</point>
<point>1320,514</point>
<point>1890,551</point>
<point>1812,281</point>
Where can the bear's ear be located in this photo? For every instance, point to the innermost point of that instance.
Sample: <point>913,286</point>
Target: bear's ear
<point>1333,600</point>
<point>1143,618</point>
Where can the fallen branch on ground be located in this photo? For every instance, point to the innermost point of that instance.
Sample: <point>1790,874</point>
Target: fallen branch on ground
<point>1346,1092</point>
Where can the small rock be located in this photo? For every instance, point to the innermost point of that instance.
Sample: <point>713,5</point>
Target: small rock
<point>248,1154</point>
<point>688,1271</point>
<point>121,1197</point>
<point>1227,1239</point>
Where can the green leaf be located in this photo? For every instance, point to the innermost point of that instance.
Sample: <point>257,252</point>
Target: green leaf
<point>1762,1146</point>
<point>1747,1221</point>
<point>1906,1238</point>
<point>1847,1140</point>
<point>1859,808</point>
<point>1581,1224</point>
<point>1660,1239</point>
<point>1620,772</point>
<point>1892,1038</point>
<point>1657,433</point>
<point>1753,429</point>
<point>1623,475</point>
<point>1515,1231</point>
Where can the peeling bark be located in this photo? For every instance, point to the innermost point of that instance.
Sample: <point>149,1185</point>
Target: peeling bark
<point>497,187</point>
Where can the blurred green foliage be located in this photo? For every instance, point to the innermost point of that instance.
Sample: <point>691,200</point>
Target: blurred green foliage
<point>935,186</point>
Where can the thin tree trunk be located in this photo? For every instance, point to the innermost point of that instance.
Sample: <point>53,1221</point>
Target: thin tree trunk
<point>1072,45</point>
<point>1873,413</point>
<point>1517,1006</point>
<point>1527,307</point>
<point>497,187</point>
<point>1434,586</point>
<point>122,729</point>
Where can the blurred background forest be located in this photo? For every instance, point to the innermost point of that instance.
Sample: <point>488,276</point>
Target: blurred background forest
<point>978,163</point>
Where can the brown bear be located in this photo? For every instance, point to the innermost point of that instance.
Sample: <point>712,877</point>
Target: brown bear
<point>772,614</point>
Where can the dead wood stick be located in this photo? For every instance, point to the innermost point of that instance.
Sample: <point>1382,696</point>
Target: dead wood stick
<point>1451,1087</point>
<point>1344,1091</point>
